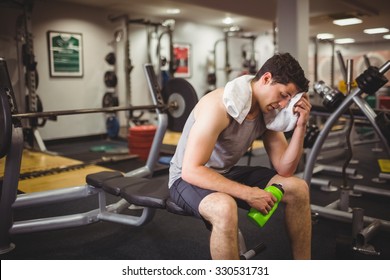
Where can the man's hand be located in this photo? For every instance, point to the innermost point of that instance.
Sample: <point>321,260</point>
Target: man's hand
<point>261,200</point>
<point>303,107</point>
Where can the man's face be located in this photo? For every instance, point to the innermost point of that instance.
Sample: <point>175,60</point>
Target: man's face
<point>271,96</point>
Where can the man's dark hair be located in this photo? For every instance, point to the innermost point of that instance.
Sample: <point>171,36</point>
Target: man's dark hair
<point>284,69</point>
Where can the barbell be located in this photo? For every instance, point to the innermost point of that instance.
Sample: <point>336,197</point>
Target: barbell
<point>52,115</point>
<point>179,100</point>
<point>177,109</point>
<point>179,97</point>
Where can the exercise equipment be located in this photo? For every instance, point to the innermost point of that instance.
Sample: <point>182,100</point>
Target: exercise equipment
<point>311,135</point>
<point>110,100</point>
<point>333,210</point>
<point>5,126</point>
<point>110,79</point>
<point>29,102</point>
<point>133,187</point>
<point>112,126</point>
<point>110,58</point>
<point>332,98</point>
<point>10,200</point>
<point>180,94</point>
<point>336,144</point>
<point>140,139</point>
<point>151,194</point>
<point>169,26</point>
<point>178,91</point>
<point>34,121</point>
<point>371,80</point>
<point>153,31</point>
<point>383,122</point>
<point>249,63</point>
<point>123,34</point>
<point>317,43</point>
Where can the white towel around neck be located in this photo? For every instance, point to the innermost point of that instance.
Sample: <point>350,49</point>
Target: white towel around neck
<point>237,97</point>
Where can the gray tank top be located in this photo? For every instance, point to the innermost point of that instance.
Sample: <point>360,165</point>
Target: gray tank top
<point>231,145</point>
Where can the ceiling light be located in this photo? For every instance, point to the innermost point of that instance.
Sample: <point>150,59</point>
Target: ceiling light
<point>227,20</point>
<point>173,11</point>
<point>376,30</point>
<point>387,36</point>
<point>344,41</point>
<point>325,36</point>
<point>347,21</point>
<point>233,28</point>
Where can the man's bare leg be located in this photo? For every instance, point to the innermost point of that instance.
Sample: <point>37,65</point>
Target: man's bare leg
<point>298,215</point>
<point>221,211</point>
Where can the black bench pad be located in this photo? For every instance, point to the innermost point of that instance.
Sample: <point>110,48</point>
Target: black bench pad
<point>97,179</point>
<point>116,185</point>
<point>175,209</point>
<point>153,193</point>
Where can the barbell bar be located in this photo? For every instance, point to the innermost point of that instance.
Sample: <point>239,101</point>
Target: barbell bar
<point>53,114</point>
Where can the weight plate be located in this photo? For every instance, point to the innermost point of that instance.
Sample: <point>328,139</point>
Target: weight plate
<point>177,100</point>
<point>112,126</point>
<point>110,58</point>
<point>110,100</point>
<point>110,79</point>
<point>181,93</point>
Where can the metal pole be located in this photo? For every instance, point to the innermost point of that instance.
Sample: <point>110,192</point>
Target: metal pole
<point>54,114</point>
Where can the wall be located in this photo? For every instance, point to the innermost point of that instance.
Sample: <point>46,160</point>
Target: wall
<point>98,34</point>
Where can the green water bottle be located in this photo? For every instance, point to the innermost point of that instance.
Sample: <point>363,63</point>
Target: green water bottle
<point>259,218</point>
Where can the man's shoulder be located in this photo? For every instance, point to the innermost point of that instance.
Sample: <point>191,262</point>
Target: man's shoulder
<point>212,108</point>
<point>213,98</point>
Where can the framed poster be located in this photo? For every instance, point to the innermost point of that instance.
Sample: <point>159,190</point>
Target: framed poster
<point>182,53</point>
<point>65,54</point>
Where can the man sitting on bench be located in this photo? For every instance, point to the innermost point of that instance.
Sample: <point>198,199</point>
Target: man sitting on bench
<point>204,178</point>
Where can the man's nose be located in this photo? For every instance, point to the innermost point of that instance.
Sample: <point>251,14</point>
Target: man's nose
<point>283,103</point>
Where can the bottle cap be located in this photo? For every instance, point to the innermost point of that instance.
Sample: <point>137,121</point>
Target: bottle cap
<point>279,186</point>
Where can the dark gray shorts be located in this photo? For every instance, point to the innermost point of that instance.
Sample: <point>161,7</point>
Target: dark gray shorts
<point>188,196</point>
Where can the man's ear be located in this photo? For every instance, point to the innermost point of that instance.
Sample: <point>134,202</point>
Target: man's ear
<point>266,78</point>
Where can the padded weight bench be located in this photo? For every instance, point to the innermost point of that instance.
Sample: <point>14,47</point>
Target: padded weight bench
<point>151,194</point>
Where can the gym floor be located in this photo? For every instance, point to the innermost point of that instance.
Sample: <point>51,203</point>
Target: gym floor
<point>170,236</point>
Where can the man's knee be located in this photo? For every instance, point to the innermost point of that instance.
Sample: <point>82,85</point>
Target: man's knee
<point>219,208</point>
<point>303,190</point>
<point>296,190</point>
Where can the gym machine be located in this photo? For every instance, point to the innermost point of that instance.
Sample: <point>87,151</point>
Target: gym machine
<point>335,145</point>
<point>248,56</point>
<point>369,82</point>
<point>152,28</point>
<point>29,102</point>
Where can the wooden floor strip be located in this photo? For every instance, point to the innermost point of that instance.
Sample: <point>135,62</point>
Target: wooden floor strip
<point>33,161</point>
